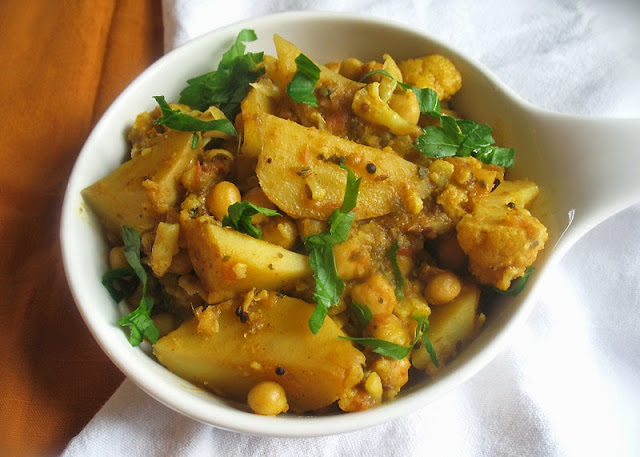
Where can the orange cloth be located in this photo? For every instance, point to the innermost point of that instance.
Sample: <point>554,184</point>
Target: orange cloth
<point>63,62</point>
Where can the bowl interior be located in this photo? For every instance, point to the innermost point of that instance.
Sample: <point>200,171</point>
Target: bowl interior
<point>323,37</point>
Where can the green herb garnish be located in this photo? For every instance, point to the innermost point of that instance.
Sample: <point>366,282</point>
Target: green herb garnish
<point>392,255</point>
<point>329,285</point>
<point>397,351</point>
<point>517,285</point>
<point>240,217</point>
<point>195,140</point>
<point>423,327</point>
<point>182,121</point>
<point>382,347</point>
<point>227,86</point>
<point>123,288</point>
<point>140,322</point>
<point>362,313</point>
<point>301,87</point>
<point>462,138</point>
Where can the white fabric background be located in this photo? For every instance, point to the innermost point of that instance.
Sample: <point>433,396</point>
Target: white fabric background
<point>569,383</point>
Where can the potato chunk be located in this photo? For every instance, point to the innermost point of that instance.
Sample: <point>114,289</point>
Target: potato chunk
<point>315,369</point>
<point>229,262</point>
<point>333,92</point>
<point>501,237</point>
<point>298,171</point>
<point>282,69</point>
<point>450,326</point>
<point>143,188</point>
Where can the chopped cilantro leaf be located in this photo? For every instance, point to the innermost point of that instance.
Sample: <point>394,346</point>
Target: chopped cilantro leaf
<point>362,313</point>
<point>428,101</point>
<point>351,191</point>
<point>240,217</point>
<point>423,326</point>
<point>329,285</point>
<point>503,157</point>
<point>182,121</point>
<point>462,138</point>
<point>397,351</point>
<point>437,142</point>
<point>132,242</point>
<point>140,322</point>
<point>227,86</point>
<point>301,87</point>
<point>382,347</point>
<point>392,255</point>
<point>111,277</point>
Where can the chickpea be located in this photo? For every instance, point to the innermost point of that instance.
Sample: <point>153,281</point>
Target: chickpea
<point>352,260</point>
<point>117,259</point>
<point>220,197</point>
<point>442,288</point>
<point>280,230</point>
<point>390,329</point>
<point>393,374</point>
<point>451,255</point>
<point>377,293</point>
<point>406,105</point>
<point>373,386</point>
<point>258,198</point>
<point>267,398</point>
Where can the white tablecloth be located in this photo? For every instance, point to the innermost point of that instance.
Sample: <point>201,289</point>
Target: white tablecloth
<point>569,382</point>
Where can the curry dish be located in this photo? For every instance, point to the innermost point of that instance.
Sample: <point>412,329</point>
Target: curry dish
<point>361,260</point>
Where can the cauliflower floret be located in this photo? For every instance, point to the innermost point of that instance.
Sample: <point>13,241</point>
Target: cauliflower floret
<point>435,72</point>
<point>501,237</point>
<point>388,85</point>
<point>368,105</point>
<point>462,182</point>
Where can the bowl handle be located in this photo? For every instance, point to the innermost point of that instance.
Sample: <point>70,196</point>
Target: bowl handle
<point>595,166</point>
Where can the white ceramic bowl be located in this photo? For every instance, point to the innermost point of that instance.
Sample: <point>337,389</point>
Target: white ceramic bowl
<point>547,148</point>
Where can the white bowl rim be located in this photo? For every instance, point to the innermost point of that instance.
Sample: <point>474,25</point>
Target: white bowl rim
<point>230,418</point>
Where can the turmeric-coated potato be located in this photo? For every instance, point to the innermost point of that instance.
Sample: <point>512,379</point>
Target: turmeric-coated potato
<point>450,327</point>
<point>298,169</point>
<point>229,262</point>
<point>138,192</point>
<point>272,343</point>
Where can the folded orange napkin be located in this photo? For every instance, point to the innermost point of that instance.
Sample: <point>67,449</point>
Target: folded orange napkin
<point>62,65</point>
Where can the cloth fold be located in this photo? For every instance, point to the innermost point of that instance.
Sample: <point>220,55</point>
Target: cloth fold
<point>568,382</point>
<point>63,62</point>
